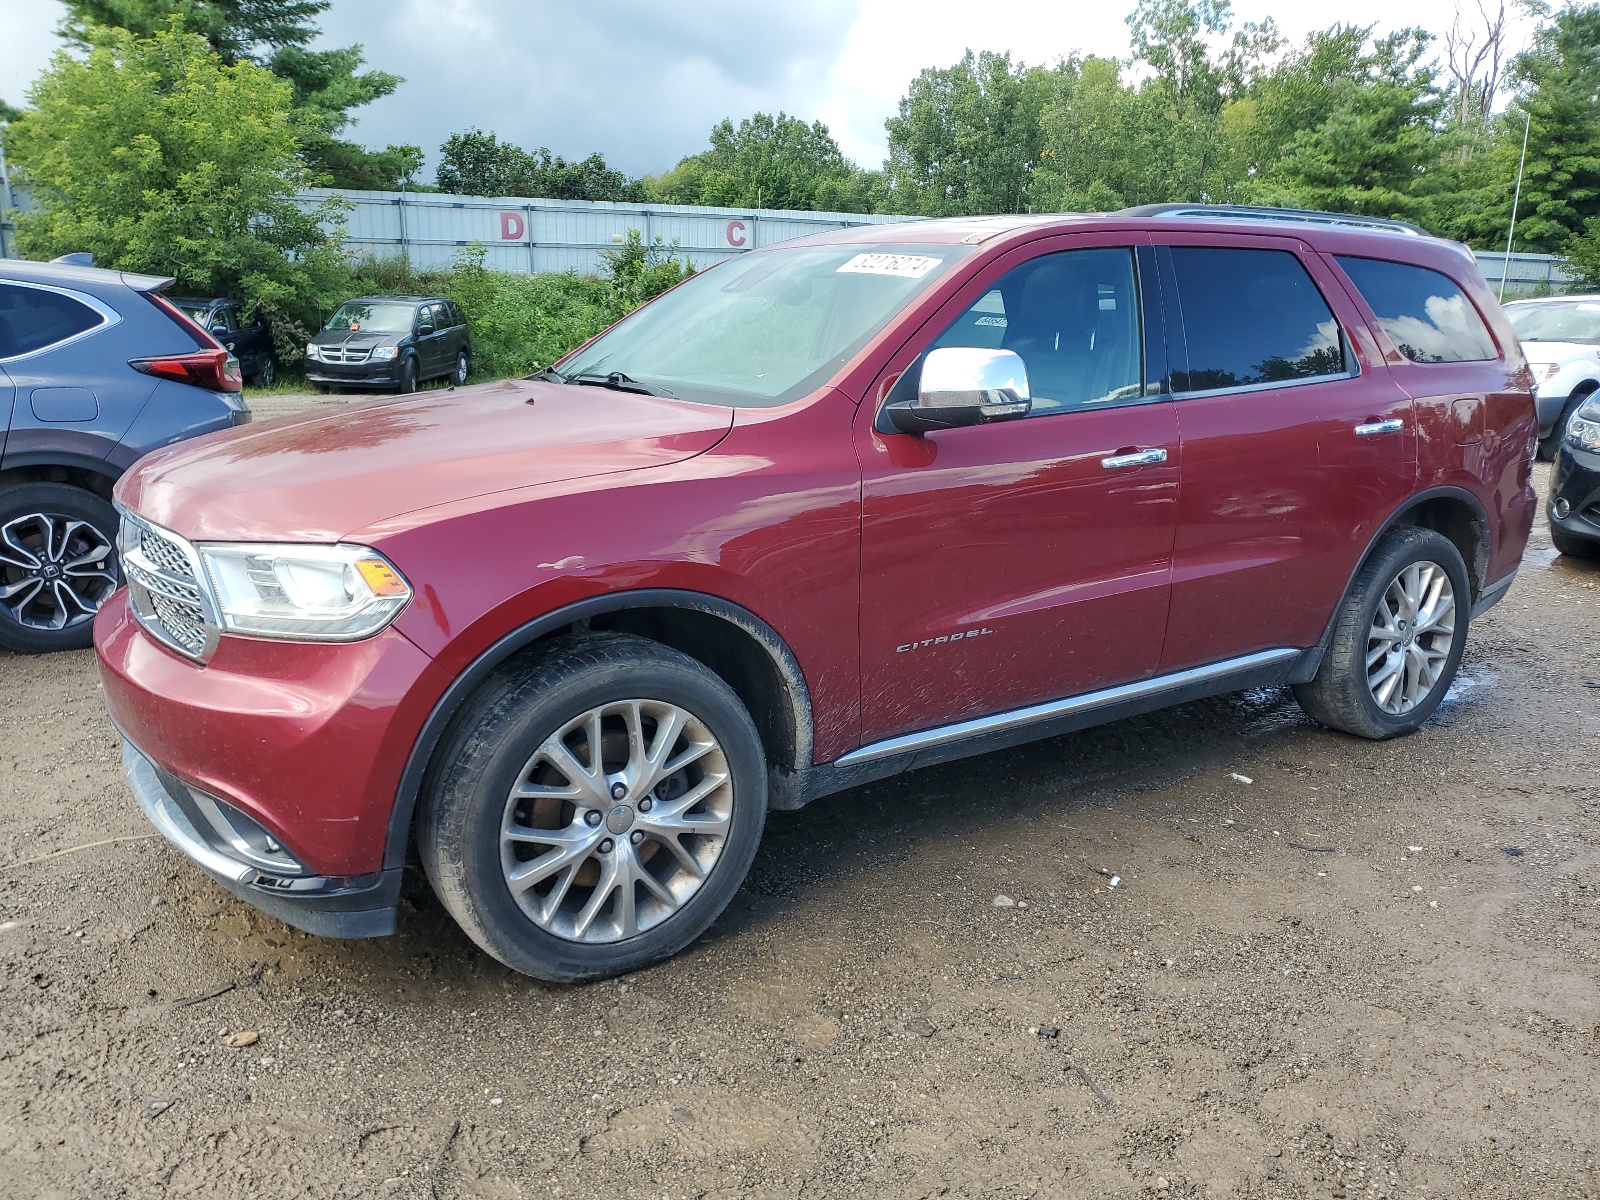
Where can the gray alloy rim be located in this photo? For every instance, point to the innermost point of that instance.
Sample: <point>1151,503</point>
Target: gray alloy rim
<point>1411,636</point>
<point>600,847</point>
<point>269,373</point>
<point>55,571</point>
<point>461,368</point>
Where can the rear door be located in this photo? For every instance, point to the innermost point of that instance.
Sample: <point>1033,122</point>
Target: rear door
<point>1297,444</point>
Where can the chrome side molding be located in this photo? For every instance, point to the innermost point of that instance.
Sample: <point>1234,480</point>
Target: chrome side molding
<point>1033,714</point>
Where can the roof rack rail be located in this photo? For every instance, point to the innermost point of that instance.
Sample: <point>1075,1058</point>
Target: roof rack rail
<point>1250,212</point>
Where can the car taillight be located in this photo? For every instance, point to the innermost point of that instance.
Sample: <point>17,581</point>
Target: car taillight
<point>215,370</point>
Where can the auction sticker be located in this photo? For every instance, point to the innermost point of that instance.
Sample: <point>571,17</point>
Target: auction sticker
<point>907,266</point>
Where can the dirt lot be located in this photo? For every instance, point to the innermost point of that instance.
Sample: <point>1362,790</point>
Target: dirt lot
<point>1360,970</point>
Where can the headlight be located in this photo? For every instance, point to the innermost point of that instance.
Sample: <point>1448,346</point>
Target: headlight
<point>1583,431</point>
<point>304,593</point>
<point>380,353</point>
<point>312,352</point>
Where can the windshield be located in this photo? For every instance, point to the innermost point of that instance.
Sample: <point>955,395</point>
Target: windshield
<point>764,328</point>
<point>195,312</point>
<point>1575,321</point>
<point>367,317</point>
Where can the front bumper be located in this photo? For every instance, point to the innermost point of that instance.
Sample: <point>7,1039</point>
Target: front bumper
<point>368,374</point>
<point>219,842</point>
<point>307,740</point>
<point>1574,505</point>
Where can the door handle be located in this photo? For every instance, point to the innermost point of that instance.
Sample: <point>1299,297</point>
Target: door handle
<point>1379,428</point>
<point>1139,458</point>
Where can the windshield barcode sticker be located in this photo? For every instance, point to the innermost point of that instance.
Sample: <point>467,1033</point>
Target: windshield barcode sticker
<point>907,266</point>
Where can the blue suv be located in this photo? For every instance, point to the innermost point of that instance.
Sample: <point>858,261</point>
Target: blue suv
<point>96,369</point>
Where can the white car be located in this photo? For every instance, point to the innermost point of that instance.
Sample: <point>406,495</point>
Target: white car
<point>1561,338</point>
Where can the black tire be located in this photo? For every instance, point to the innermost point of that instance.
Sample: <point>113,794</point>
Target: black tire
<point>268,374</point>
<point>22,622</point>
<point>1573,545</point>
<point>458,376</point>
<point>469,787</point>
<point>409,374</point>
<point>1339,696</point>
<point>1550,445</point>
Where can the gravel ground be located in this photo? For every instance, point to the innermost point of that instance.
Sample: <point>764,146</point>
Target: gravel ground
<point>1244,957</point>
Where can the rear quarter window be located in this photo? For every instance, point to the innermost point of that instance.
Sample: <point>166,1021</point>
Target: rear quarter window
<point>33,319</point>
<point>1425,314</point>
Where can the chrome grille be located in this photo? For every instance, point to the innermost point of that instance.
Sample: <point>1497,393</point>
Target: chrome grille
<point>346,354</point>
<point>168,599</point>
<point>163,555</point>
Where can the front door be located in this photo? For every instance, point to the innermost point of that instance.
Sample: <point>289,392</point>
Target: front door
<point>1021,561</point>
<point>1297,444</point>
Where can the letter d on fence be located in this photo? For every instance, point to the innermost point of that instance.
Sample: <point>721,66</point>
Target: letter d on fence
<point>511,227</point>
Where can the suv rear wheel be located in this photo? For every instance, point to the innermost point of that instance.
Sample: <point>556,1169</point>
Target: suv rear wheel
<point>58,565</point>
<point>1397,638</point>
<point>596,808</point>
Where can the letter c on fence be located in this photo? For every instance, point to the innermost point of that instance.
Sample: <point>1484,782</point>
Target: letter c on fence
<point>735,232</point>
<point>511,227</point>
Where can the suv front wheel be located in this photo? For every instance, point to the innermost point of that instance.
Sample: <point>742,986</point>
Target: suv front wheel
<point>58,565</point>
<point>596,808</point>
<point>1397,638</point>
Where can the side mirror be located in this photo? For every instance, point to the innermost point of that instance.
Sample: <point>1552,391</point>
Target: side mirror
<point>964,385</point>
<point>424,329</point>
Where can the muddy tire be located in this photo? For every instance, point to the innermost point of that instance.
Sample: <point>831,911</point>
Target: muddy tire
<point>1397,639</point>
<point>595,808</point>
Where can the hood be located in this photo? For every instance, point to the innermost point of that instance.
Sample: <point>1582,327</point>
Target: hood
<point>356,337</point>
<point>1557,352</point>
<point>320,477</point>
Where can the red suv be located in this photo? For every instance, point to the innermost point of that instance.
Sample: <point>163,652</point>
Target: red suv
<point>854,504</point>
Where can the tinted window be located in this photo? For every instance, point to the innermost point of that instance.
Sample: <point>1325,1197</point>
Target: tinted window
<point>1425,314</point>
<point>1252,317</point>
<point>222,321</point>
<point>31,319</point>
<point>1074,319</point>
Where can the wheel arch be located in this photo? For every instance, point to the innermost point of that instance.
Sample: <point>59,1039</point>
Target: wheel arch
<point>1452,511</point>
<point>79,470</point>
<point>732,642</point>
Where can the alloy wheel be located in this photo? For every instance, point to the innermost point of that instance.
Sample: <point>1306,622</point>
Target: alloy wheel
<point>461,368</point>
<point>1409,642</point>
<point>55,571</point>
<point>616,821</point>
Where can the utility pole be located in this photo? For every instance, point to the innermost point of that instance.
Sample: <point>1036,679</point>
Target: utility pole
<point>1505,267</point>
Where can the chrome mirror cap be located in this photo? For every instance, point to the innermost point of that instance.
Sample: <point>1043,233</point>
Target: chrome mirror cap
<point>964,385</point>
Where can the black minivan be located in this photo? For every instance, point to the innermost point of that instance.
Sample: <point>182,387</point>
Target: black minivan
<point>391,343</point>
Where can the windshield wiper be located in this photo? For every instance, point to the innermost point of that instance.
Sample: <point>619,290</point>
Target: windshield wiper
<point>618,382</point>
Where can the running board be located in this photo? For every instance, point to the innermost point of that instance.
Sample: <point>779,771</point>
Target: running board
<point>983,734</point>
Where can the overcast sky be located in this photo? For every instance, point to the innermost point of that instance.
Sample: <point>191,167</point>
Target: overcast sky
<point>643,81</point>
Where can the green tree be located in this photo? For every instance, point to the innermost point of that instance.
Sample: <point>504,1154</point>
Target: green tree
<point>1376,151</point>
<point>1557,81</point>
<point>275,34</point>
<point>476,163</point>
<point>772,162</point>
<point>967,137</point>
<point>155,156</point>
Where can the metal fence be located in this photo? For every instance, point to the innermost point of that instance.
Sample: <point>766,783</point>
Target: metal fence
<point>531,235</point>
<point>1526,274</point>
